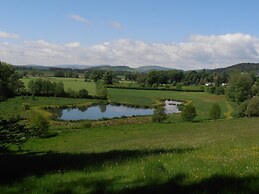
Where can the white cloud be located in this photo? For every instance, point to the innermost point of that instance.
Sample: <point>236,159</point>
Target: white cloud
<point>196,53</point>
<point>79,19</point>
<point>73,44</point>
<point>8,35</point>
<point>116,25</point>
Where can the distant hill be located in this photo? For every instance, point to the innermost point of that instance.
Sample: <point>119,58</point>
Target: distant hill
<point>73,66</point>
<point>152,68</point>
<point>243,67</point>
<point>111,68</point>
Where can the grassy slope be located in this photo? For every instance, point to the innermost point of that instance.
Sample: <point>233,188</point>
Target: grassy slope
<point>209,157</point>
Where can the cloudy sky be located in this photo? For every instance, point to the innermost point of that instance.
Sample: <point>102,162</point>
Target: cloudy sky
<point>183,34</point>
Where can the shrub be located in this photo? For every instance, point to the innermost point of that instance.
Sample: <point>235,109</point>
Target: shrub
<point>26,106</point>
<point>39,124</point>
<point>215,112</point>
<point>159,115</point>
<point>86,124</point>
<point>220,90</point>
<point>189,113</point>
<point>253,107</point>
<point>241,112</point>
<point>83,93</point>
<point>71,93</point>
<point>12,132</point>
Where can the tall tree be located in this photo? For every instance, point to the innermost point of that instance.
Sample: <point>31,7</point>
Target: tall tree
<point>9,81</point>
<point>239,87</point>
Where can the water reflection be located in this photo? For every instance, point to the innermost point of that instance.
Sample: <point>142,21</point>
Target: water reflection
<point>110,111</point>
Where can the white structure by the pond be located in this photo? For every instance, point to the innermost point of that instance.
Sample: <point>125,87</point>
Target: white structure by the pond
<point>172,106</point>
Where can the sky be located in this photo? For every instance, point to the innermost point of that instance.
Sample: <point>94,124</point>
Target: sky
<point>181,34</point>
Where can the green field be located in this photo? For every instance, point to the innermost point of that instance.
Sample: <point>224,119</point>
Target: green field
<point>209,157</point>
<point>201,157</point>
<point>75,84</point>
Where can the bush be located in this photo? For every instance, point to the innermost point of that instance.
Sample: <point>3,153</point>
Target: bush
<point>39,124</point>
<point>215,112</point>
<point>12,132</point>
<point>86,124</point>
<point>159,115</point>
<point>189,113</point>
<point>83,93</point>
<point>71,93</point>
<point>220,90</point>
<point>253,107</point>
<point>241,112</point>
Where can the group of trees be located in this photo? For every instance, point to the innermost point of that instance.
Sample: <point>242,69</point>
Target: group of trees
<point>9,81</point>
<point>243,89</point>
<point>175,76</point>
<point>46,88</point>
<point>65,73</point>
<point>43,87</point>
<point>106,76</point>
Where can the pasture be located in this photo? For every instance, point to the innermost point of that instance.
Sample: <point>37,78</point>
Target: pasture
<point>207,157</point>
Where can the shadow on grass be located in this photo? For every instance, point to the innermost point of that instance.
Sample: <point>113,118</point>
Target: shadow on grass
<point>212,185</point>
<point>14,167</point>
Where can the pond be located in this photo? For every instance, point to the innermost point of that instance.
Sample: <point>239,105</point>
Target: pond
<point>109,111</point>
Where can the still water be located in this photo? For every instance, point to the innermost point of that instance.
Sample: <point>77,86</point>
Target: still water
<point>110,111</point>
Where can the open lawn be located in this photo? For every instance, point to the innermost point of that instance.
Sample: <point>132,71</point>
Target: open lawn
<point>208,157</point>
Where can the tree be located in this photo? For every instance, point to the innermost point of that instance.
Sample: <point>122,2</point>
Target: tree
<point>108,77</point>
<point>46,87</point>
<point>101,89</point>
<point>159,115</point>
<point>39,124</point>
<point>215,112</point>
<point>12,132</point>
<point>83,93</point>
<point>253,107</point>
<point>9,81</point>
<point>239,87</point>
<point>189,113</point>
<point>96,75</point>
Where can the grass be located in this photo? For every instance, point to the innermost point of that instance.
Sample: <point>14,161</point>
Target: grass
<point>14,106</point>
<point>75,84</point>
<point>202,157</point>
<point>208,157</point>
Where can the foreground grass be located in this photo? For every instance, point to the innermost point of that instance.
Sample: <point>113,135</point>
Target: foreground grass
<point>208,157</point>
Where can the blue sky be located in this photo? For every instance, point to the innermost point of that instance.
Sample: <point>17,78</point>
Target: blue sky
<point>104,31</point>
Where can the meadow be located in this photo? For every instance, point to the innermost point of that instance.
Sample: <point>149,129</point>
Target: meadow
<point>142,157</point>
<point>205,157</point>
